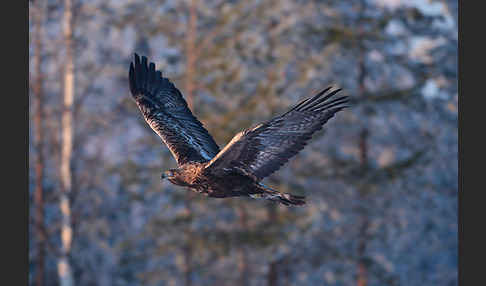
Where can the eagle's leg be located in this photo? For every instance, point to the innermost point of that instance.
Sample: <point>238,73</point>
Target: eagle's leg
<point>283,198</point>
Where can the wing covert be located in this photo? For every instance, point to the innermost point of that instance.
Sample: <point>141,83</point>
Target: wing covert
<point>262,150</point>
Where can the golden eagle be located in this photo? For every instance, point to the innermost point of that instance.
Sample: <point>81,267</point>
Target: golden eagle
<point>253,154</point>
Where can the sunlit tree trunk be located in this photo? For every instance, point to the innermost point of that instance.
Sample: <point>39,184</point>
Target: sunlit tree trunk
<point>189,95</point>
<point>39,144</point>
<point>64,267</point>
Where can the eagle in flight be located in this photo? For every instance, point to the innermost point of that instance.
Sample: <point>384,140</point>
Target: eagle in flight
<point>252,154</point>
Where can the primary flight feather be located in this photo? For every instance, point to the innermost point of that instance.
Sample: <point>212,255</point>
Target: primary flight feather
<point>253,154</point>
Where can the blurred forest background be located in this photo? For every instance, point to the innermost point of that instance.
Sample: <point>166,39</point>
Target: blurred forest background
<point>381,180</point>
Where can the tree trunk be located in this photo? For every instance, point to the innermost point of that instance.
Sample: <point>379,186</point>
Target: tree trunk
<point>189,94</point>
<point>38,141</point>
<point>243,265</point>
<point>272,277</point>
<point>362,269</point>
<point>273,271</point>
<point>191,54</point>
<point>363,147</point>
<point>188,264</point>
<point>64,267</point>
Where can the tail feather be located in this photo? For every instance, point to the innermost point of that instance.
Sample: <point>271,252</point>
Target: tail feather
<point>283,198</point>
<point>289,199</point>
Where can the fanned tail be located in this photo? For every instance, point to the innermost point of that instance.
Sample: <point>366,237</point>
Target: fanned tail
<point>276,196</point>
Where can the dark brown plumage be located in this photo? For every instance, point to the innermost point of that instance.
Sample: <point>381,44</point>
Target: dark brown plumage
<point>253,154</point>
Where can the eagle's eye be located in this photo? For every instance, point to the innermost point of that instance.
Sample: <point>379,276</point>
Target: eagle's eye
<point>168,174</point>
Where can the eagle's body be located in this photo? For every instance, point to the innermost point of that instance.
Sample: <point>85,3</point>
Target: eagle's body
<point>195,176</point>
<point>253,154</point>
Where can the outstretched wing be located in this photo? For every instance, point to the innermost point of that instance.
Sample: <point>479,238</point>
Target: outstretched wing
<point>166,111</point>
<point>262,150</point>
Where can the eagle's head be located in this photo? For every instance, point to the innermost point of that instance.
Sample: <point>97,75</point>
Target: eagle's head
<point>174,176</point>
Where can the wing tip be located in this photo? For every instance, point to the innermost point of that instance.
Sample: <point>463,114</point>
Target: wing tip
<point>141,74</point>
<point>131,79</point>
<point>321,101</point>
